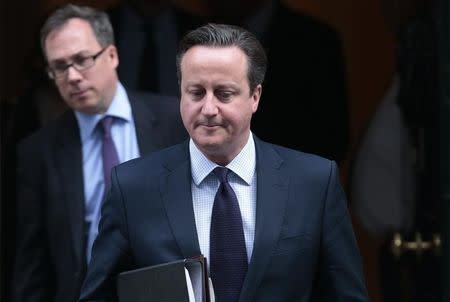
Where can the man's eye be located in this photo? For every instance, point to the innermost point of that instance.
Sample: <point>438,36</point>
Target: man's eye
<point>224,95</point>
<point>81,61</point>
<point>59,67</point>
<point>198,93</point>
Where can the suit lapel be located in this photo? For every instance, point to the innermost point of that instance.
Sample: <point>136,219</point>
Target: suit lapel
<point>68,160</point>
<point>177,198</point>
<point>272,189</point>
<point>144,121</point>
<point>272,193</point>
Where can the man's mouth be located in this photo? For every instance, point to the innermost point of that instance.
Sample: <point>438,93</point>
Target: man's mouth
<point>78,93</point>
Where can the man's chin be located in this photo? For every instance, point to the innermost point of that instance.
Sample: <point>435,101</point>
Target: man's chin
<point>209,143</point>
<point>88,108</point>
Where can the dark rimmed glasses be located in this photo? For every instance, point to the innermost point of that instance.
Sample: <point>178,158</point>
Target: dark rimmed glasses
<point>80,63</point>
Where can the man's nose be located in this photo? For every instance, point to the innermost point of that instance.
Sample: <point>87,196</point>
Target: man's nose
<point>73,74</point>
<point>210,105</point>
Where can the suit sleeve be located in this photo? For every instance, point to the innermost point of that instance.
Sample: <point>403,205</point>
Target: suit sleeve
<point>110,252</point>
<point>32,273</point>
<point>340,272</point>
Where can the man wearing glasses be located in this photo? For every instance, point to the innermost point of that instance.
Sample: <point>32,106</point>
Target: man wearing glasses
<point>63,169</point>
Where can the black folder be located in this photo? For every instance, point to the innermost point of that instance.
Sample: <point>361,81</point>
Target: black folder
<point>183,280</point>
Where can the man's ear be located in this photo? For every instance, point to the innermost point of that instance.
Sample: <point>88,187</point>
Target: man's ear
<point>256,95</point>
<point>113,56</point>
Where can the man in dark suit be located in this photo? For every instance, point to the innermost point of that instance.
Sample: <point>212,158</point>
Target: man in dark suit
<point>277,218</point>
<point>62,168</point>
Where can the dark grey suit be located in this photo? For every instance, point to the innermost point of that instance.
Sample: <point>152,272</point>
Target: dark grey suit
<point>50,258</point>
<point>304,247</point>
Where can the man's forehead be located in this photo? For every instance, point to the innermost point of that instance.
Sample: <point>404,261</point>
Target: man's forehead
<point>74,37</point>
<point>69,26</point>
<point>214,66</point>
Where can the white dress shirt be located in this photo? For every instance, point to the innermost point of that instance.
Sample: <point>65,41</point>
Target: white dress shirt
<point>205,184</point>
<point>123,133</point>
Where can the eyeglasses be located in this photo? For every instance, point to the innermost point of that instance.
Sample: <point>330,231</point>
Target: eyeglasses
<point>58,70</point>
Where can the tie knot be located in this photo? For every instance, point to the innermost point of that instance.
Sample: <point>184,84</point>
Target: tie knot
<point>106,123</point>
<point>221,173</point>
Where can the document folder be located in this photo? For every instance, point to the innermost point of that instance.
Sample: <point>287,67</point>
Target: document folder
<point>183,280</point>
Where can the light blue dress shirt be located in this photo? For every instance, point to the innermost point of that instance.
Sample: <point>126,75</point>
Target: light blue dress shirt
<point>204,186</point>
<point>123,133</point>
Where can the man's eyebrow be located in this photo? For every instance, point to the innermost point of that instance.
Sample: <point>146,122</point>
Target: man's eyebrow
<point>193,85</point>
<point>227,86</point>
<point>81,53</point>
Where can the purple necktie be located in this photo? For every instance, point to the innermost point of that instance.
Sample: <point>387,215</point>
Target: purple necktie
<point>228,254</point>
<point>110,159</point>
<point>109,152</point>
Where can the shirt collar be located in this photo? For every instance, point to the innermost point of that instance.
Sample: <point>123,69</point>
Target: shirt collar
<point>120,108</point>
<point>242,165</point>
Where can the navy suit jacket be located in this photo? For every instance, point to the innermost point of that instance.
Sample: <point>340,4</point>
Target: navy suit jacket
<point>51,249</point>
<point>304,247</point>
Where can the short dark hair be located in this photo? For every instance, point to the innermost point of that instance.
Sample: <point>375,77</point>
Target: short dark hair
<point>222,35</point>
<point>99,21</point>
